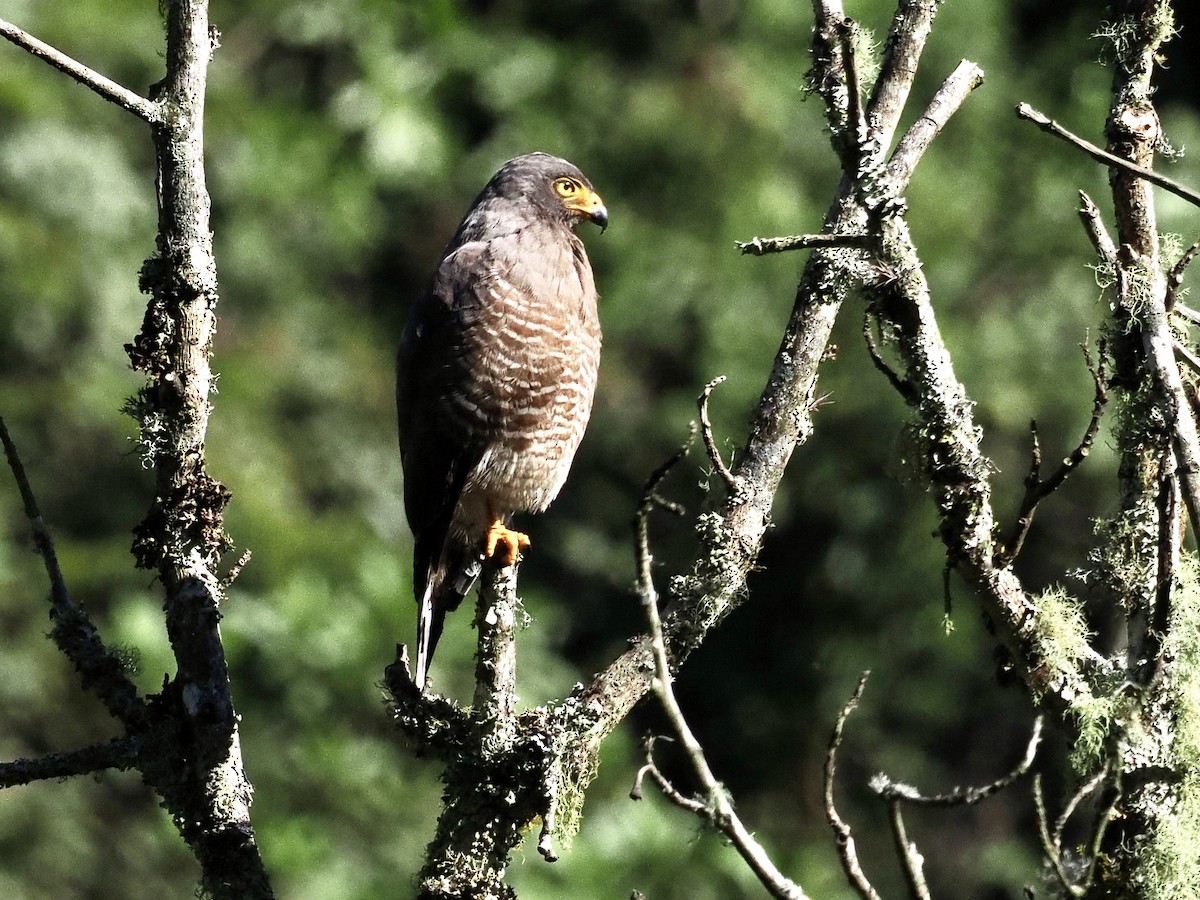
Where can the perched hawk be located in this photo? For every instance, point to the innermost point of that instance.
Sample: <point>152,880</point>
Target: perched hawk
<point>495,378</point>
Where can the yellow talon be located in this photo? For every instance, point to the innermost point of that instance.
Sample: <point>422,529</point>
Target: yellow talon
<point>509,543</point>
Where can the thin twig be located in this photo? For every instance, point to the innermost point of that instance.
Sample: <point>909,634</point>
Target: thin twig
<point>236,569</point>
<point>1101,240</point>
<point>761,246</point>
<point>732,486</point>
<point>106,88</point>
<point>664,784</point>
<point>845,837</point>
<point>1037,490</point>
<point>890,791</point>
<point>718,808</point>
<point>73,633</point>
<point>914,864</point>
<point>60,598</point>
<point>902,387</point>
<point>1094,848</point>
<point>1060,824</point>
<point>119,753</point>
<point>1175,275</point>
<point>1045,123</point>
<point>1051,848</point>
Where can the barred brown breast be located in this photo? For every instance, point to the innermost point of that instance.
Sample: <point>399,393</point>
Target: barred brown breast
<point>495,378</point>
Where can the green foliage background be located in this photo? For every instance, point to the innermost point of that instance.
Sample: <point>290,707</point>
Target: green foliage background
<point>345,139</point>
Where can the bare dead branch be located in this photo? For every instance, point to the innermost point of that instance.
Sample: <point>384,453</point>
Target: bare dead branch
<point>845,837</point>
<point>890,791</point>
<point>1176,273</point>
<point>1037,490</point>
<point>911,860</point>
<point>101,670</point>
<point>945,103</point>
<point>761,246</point>
<point>717,807</point>
<point>118,753</point>
<point>1045,123</point>
<point>710,444</point>
<point>1089,215</point>
<point>123,97</point>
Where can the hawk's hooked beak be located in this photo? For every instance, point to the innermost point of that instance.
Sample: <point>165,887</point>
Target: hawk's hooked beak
<point>591,206</point>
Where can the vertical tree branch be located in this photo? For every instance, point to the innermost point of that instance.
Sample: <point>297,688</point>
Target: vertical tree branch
<point>182,537</point>
<point>729,539</point>
<point>717,807</point>
<point>847,848</point>
<point>185,742</point>
<point>496,659</point>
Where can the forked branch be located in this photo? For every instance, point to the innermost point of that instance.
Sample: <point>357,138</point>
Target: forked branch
<point>1037,490</point>
<point>715,807</point>
<point>847,848</point>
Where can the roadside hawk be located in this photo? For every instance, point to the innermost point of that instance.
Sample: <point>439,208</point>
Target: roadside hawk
<point>495,378</point>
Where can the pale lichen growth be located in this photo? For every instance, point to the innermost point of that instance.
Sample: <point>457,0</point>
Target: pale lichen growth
<point>1171,858</point>
<point>1127,38</point>
<point>1065,638</point>
<point>1064,641</point>
<point>1095,717</point>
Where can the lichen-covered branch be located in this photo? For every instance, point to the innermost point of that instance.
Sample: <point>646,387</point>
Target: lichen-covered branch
<point>185,739</point>
<point>203,783</point>
<point>959,473</point>
<point>119,753</point>
<point>729,538</point>
<point>101,670</point>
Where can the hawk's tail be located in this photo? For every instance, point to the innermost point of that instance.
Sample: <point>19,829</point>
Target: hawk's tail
<point>427,634</point>
<point>442,588</point>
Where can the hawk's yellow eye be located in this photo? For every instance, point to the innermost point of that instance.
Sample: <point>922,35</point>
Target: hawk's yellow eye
<point>566,187</point>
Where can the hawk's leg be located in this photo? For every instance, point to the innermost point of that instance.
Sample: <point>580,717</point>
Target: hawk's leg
<point>503,543</point>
